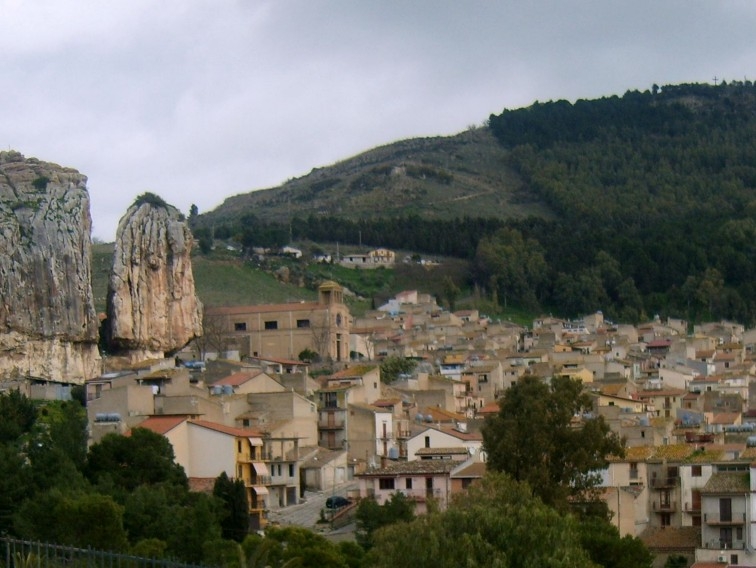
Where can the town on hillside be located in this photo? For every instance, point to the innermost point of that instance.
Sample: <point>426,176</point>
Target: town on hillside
<point>243,400</point>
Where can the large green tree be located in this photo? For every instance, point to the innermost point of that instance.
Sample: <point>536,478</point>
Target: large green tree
<point>545,435</point>
<point>233,494</point>
<point>496,523</point>
<point>73,518</point>
<point>371,516</point>
<point>143,457</point>
<point>513,266</point>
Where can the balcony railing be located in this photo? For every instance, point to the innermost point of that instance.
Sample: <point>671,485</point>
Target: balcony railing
<point>664,482</point>
<point>693,508</point>
<point>331,425</point>
<point>665,506</point>
<point>719,519</point>
<point>724,545</point>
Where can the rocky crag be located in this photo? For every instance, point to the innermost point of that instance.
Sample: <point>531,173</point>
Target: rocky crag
<point>153,309</point>
<point>48,324</point>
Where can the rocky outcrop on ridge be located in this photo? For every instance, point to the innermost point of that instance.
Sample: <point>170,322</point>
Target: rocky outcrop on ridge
<point>48,324</point>
<point>153,309</point>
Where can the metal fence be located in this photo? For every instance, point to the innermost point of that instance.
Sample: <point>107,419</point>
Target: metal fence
<point>30,554</point>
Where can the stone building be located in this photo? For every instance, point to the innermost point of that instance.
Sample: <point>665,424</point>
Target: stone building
<point>283,331</point>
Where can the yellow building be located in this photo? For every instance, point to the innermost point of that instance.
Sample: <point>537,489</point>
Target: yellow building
<point>283,331</point>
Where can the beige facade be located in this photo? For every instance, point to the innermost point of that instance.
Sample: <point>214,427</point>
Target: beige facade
<point>283,331</point>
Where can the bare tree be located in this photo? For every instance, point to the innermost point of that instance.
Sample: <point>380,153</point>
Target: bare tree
<point>214,338</point>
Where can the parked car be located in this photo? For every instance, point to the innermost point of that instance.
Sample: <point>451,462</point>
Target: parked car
<point>336,502</point>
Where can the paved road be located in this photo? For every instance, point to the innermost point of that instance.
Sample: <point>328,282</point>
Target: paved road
<point>307,513</point>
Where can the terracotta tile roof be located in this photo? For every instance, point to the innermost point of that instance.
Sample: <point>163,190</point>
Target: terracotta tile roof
<point>492,408</point>
<point>161,424</point>
<point>672,538</point>
<point>230,430</point>
<point>357,371</point>
<point>612,389</point>
<point>238,379</point>
<point>441,451</point>
<point>474,470</point>
<point>201,484</point>
<point>709,454</point>
<point>749,453</point>
<point>281,361</point>
<point>387,402</point>
<point>727,483</point>
<point>659,343</point>
<point>677,452</point>
<point>416,467</point>
<point>634,454</point>
<point>725,418</point>
<point>661,392</point>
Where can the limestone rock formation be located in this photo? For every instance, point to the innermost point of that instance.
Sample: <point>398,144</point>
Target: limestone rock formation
<point>48,324</point>
<point>153,309</point>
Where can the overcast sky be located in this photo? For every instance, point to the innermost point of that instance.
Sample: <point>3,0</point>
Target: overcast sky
<point>197,100</point>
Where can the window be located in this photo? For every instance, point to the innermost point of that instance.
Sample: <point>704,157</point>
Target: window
<point>238,446</point>
<point>408,483</point>
<point>240,326</point>
<point>291,470</point>
<point>695,471</point>
<point>633,470</point>
<point>427,442</point>
<point>271,325</point>
<point>386,483</point>
<point>303,324</point>
<point>725,510</point>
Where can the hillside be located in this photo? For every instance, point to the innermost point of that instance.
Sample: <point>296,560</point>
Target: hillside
<point>637,204</point>
<point>442,178</point>
<point>220,280</point>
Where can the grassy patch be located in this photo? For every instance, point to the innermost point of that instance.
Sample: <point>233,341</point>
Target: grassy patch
<point>234,283</point>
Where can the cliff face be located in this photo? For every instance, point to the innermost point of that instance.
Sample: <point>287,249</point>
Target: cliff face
<point>48,324</point>
<point>152,305</point>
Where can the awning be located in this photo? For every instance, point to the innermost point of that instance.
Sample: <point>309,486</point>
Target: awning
<point>255,441</point>
<point>261,468</point>
<point>260,490</point>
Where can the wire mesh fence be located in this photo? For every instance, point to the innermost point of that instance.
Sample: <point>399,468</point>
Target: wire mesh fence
<point>32,554</point>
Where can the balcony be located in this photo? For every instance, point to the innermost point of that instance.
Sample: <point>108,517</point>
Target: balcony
<point>724,545</point>
<point>693,508</point>
<point>665,506</point>
<point>330,424</point>
<point>664,482</point>
<point>724,520</point>
<point>403,434</point>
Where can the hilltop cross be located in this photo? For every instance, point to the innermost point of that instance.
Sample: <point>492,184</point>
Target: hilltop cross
<point>715,80</point>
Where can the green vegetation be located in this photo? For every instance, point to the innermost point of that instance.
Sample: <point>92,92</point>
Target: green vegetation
<point>393,367</point>
<point>138,495</point>
<point>151,199</point>
<point>634,205</point>
<point>499,522</point>
<point>40,183</point>
<point>371,516</point>
<point>533,439</point>
<point>229,282</point>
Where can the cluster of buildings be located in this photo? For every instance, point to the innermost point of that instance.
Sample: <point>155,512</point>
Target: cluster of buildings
<point>681,396</point>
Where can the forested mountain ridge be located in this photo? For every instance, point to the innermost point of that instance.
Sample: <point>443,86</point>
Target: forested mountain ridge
<point>635,205</point>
